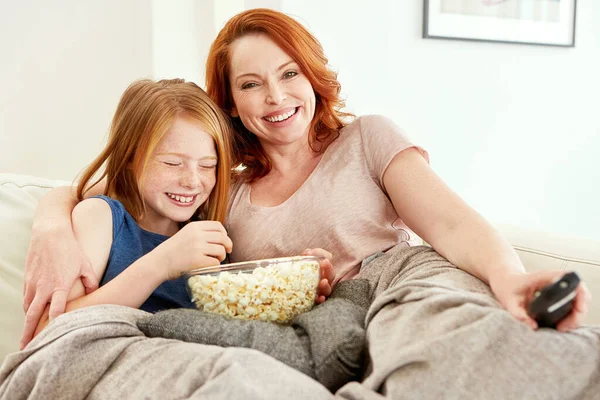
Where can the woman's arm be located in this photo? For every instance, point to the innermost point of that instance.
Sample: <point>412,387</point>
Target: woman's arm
<point>439,216</point>
<point>54,260</point>
<point>465,238</point>
<point>93,229</point>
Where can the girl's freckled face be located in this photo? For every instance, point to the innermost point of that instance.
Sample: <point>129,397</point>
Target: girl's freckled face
<point>179,176</point>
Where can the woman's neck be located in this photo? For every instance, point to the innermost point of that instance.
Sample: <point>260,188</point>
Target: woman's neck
<point>293,157</point>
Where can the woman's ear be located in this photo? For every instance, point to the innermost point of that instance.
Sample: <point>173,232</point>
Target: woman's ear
<point>234,113</point>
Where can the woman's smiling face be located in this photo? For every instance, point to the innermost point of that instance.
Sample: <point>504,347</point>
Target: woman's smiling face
<point>271,95</point>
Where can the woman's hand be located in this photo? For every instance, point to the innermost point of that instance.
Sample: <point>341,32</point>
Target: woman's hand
<point>198,244</point>
<point>515,291</point>
<point>327,273</point>
<point>54,262</point>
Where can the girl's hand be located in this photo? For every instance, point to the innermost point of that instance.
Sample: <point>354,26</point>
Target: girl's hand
<point>327,273</point>
<point>198,244</point>
<point>515,292</point>
<point>54,262</point>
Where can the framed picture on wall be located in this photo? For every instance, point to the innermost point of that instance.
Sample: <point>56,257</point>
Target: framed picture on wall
<point>542,22</point>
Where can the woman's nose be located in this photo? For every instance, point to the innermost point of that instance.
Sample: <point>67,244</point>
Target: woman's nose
<point>276,94</point>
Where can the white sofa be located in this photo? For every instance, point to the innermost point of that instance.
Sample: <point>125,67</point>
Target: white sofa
<point>19,195</point>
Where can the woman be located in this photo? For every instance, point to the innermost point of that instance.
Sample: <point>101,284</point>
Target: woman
<point>302,174</point>
<point>316,178</point>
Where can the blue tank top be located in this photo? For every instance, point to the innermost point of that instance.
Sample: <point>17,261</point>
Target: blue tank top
<point>131,242</point>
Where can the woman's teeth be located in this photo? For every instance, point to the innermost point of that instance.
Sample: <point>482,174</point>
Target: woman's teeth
<point>181,199</point>
<point>281,117</point>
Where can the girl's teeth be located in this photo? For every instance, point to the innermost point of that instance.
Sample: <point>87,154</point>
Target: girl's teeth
<point>282,117</point>
<point>181,199</point>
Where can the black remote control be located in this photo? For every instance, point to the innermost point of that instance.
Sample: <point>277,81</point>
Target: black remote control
<point>551,304</point>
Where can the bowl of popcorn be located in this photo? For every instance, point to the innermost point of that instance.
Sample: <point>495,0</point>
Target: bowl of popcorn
<point>274,290</point>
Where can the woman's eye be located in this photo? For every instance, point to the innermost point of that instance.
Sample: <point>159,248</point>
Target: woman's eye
<point>171,163</point>
<point>290,74</point>
<point>249,85</point>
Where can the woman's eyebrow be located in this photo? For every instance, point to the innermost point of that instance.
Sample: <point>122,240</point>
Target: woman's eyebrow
<point>282,66</point>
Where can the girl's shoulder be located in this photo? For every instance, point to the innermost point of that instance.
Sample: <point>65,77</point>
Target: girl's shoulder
<point>98,203</point>
<point>92,212</point>
<point>117,208</point>
<point>107,207</point>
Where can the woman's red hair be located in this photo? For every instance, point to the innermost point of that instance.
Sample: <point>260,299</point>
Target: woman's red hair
<point>305,50</point>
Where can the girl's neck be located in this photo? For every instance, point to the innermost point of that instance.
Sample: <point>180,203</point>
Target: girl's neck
<point>166,227</point>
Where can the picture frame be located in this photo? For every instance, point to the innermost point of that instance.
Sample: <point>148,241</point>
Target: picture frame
<point>536,22</point>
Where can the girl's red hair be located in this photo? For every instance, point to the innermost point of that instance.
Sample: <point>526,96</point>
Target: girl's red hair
<point>145,112</point>
<point>305,50</point>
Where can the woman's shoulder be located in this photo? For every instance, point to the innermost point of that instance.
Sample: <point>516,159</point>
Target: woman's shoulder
<point>372,122</point>
<point>238,179</point>
<point>369,123</point>
<point>371,126</point>
<point>378,138</point>
<point>238,182</point>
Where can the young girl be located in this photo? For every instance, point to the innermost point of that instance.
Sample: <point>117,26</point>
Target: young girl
<point>166,173</point>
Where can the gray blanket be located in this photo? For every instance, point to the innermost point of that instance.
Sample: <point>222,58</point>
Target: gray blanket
<point>436,332</point>
<point>99,353</point>
<point>433,332</point>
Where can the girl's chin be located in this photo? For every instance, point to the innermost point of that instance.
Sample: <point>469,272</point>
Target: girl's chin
<point>180,217</point>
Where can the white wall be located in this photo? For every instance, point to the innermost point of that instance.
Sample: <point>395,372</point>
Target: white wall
<point>64,65</point>
<point>178,43</point>
<point>509,127</point>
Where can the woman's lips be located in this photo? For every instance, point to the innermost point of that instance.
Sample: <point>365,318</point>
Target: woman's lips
<point>283,122</point>
<point>280,112</point>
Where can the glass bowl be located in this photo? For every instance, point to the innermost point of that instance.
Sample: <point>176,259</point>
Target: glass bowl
<point>275,289</point>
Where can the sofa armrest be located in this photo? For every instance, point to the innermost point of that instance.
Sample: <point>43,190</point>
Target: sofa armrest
<point>19,196</point>
<point>542,250</point>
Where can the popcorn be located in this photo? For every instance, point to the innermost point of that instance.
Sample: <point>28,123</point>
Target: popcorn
<point>274,293</point>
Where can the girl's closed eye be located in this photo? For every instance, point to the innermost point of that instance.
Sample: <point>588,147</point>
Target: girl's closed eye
<point>210,165</point>
<point>169,162</point>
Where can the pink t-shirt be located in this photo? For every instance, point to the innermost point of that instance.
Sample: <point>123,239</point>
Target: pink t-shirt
<point>341,207</point>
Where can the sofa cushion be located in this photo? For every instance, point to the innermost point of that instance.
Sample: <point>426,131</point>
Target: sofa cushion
<point>19,196</point>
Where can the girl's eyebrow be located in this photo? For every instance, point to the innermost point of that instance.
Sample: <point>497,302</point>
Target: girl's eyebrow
<point>282,66</point>
<point>185,156</point>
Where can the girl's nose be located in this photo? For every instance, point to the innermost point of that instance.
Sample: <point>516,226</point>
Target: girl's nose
<point>190,179</point>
